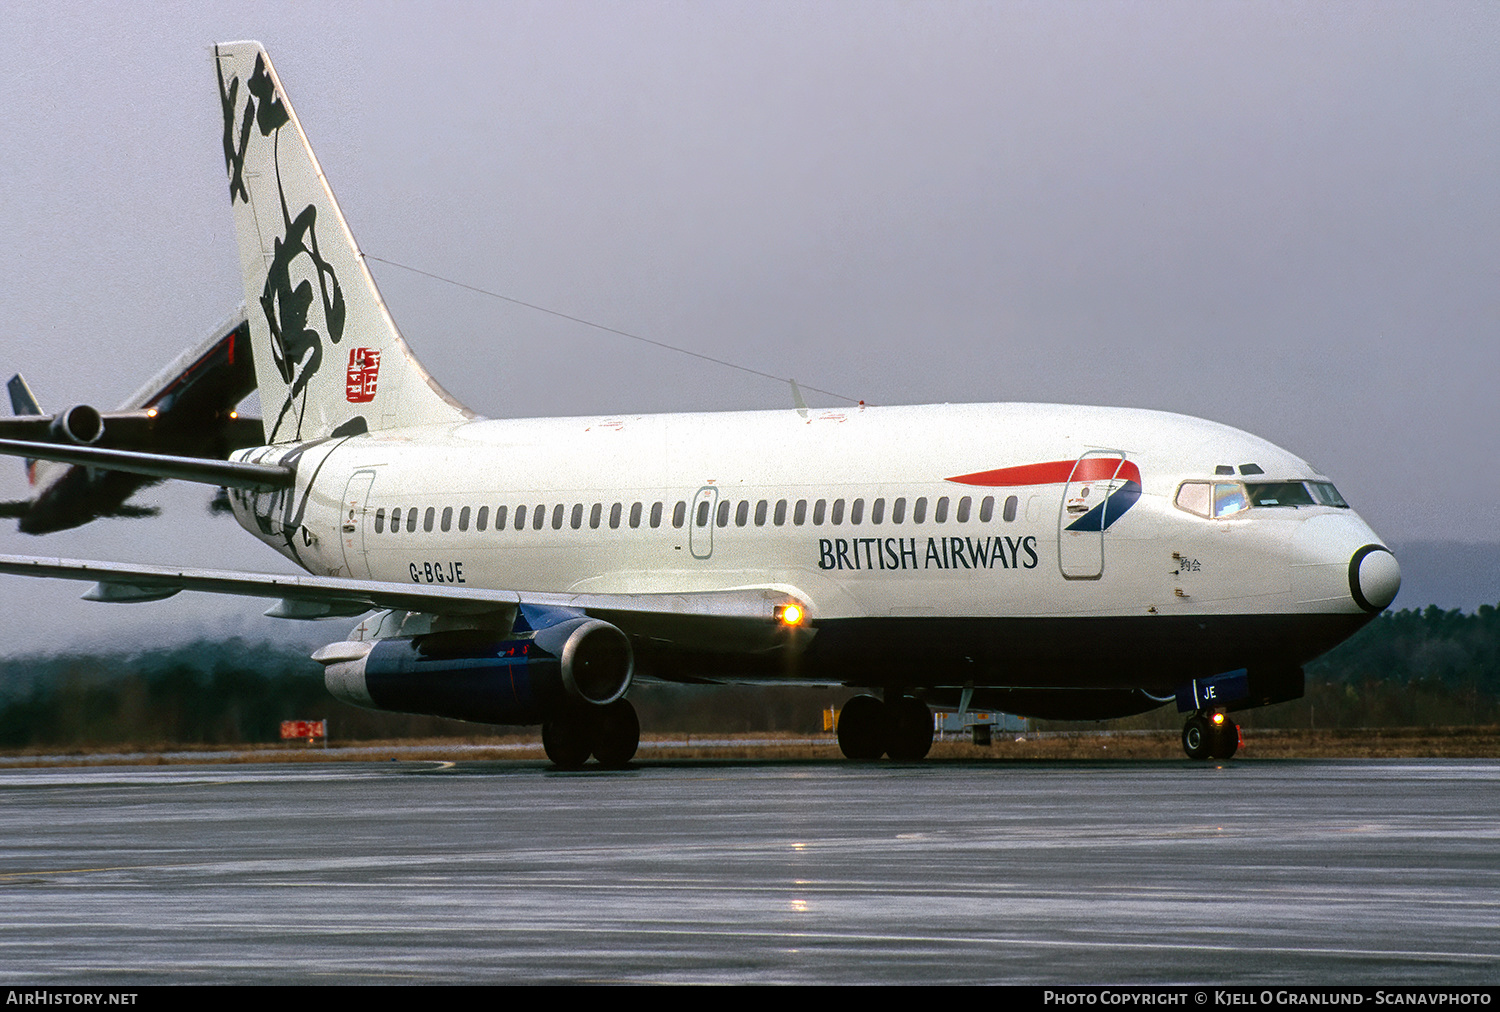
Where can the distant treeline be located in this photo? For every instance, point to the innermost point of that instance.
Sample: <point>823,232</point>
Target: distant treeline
<point>1407,668</point>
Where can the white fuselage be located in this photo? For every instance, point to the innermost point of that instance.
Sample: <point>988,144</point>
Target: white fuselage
<point>621,500</point>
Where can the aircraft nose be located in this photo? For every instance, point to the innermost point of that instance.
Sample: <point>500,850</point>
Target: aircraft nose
<point>1374,577</point>
<point>1338,563</point>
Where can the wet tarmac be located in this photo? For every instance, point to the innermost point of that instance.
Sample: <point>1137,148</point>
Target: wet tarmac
<point>1263,872</point>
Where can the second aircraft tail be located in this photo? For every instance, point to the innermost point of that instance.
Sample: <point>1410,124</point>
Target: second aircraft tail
<point>328,358</point>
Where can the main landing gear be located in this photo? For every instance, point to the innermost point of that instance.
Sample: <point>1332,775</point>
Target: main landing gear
<point>1210,735</point>
<point>609,733</point>
<point>900,728</point>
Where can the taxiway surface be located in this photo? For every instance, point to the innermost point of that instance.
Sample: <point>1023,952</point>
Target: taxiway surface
<point>1264,872</point>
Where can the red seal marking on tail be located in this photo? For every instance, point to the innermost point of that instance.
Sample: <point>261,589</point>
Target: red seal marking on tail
<point>364,368</point>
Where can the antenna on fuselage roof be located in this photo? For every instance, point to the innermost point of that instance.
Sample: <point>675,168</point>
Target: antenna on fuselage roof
<point>797,399</point>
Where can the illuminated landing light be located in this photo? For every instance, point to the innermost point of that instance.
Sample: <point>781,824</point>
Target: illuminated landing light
<point>1218,719</point>
<point>790,614</point>
<point>150,412</point>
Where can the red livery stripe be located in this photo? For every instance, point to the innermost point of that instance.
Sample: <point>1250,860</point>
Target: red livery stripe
<point>1053,473</point>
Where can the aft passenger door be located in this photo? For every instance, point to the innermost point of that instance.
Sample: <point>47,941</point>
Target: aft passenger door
<point>1081,516</point>
<point>353,520</point>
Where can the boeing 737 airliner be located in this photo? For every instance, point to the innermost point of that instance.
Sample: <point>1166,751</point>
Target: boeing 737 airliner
<point>1047,560</point>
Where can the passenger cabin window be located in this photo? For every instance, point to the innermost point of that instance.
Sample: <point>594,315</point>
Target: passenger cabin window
<point>483,518</point>
<point>799,515</point>
<point>856,511</point>
<point>635,515</point>
<point>520,517</point>
<point>760,513</point>
<point>379,521</point>
<point>940,515</point>
<point>596,515</point>
<point>428,518</point>
<point>820,510</point>
<point>723,512</point>
<point>576,520</point>
<point>615,512</point>
<point>557,517</point>
<point>1011,502</point>
<point>780,517</point>
<point>898,511</point>
<point>877,511</point>
<point>987,509</point>
<point>742,513</point>
<point>538,516</point>
<point>838,511</point>
<point>411,520</point>
<point>964,505</point>
<point>447,519</point>
<point>463,518</point>
<point>679,514</point>
<point>656,511</point>
<point>919,510</point>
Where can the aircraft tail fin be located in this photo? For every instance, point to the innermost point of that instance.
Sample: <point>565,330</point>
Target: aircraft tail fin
<point>23,404</point>
<point>328,358</point>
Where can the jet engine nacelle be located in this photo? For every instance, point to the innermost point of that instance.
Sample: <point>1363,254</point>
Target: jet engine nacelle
<point>80,424</point>
<point>470,675</point>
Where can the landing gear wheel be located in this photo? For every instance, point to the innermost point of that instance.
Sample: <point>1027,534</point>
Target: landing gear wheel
<point>565,738</point>
<point>1226,740</point>
<point>862,728</point>
<point>1197,734</point>
<point>617,734</point>
<point>909,729</point>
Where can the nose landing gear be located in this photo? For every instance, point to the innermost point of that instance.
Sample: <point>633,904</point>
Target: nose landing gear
<point>1210,735</point>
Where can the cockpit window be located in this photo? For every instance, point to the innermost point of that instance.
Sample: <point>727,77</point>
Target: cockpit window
<point>1325,494</point>
<point>1194,496</point>
<point>1229,497</point>
<point>1226,498</point>
<point>1279,493</point>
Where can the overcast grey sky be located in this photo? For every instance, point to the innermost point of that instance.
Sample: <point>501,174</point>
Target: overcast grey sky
<point>1285,217</point>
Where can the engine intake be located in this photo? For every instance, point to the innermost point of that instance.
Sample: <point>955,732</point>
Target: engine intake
<point>469,675</point>
<point>80,424</point>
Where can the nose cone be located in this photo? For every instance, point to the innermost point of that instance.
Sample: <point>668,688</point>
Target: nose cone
<point>1374,577</point>
<point>1338,564</point>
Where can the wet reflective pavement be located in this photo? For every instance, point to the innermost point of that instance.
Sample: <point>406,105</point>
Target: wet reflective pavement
<point>1263,872</point>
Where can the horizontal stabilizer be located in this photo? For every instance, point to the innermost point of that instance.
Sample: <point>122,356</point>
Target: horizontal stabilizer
<point>200,469</point>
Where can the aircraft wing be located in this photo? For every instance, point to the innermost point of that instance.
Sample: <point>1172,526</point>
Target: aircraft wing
<point>747,618</point>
